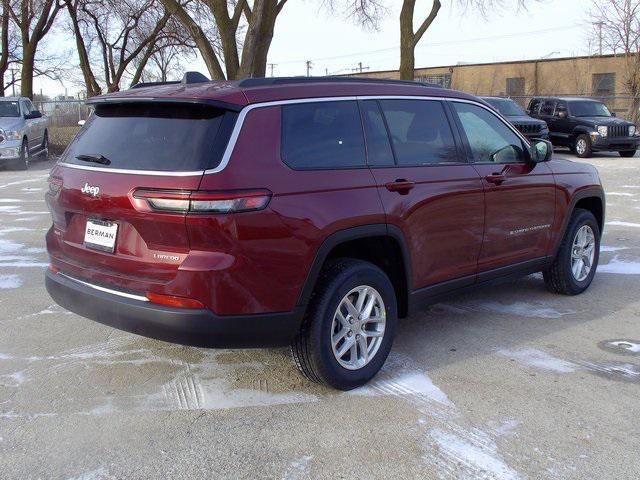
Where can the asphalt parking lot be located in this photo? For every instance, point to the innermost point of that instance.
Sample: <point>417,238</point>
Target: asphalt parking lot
<point>506,382</point>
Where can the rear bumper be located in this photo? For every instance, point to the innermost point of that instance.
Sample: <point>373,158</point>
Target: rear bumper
<point>201,328</point>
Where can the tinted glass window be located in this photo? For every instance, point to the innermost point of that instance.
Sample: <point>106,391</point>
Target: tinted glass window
<point>489,138</point>
<point>548,107</point>
<point>534,106</point>
<point>508,108</point>
<point>322,135</point>
<point>9,109</point>
<point>420,132</point>
<point>379,151</point>
<point>149,136</point>
<point>588,108</point>
<point>561,107</point>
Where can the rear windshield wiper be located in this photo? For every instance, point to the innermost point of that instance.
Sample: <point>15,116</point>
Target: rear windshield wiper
<point>94,158</point>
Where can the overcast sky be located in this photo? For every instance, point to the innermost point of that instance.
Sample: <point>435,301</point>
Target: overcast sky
<point>334,44</point>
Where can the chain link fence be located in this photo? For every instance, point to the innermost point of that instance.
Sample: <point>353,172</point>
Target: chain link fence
<point>63,116</point>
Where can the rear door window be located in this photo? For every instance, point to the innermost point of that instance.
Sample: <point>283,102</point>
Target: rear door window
<point>420,132</point>
<point>379,153</point>
<point>322,135</point>
<point>152,136</point>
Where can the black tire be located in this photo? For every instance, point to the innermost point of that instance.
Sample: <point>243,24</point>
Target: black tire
<point>312,350</point>
<point>586,153</point>
<point>558,277</point>
<point>627,153</point>
<point>23,162</point>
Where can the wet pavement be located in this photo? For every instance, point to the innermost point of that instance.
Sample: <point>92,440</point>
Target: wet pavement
<point>506,382</point>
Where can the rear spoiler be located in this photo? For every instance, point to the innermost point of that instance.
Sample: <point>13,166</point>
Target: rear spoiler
<point>107,100</point>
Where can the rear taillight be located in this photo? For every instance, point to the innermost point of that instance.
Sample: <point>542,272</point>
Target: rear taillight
<point>172,301</point>
<point>55,185</point>
<point>180,201</point>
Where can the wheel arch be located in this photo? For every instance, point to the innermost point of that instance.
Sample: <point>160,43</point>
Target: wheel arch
<point>591,199</point>
<point>381,244</point>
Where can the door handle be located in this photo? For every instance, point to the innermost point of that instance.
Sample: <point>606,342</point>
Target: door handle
<point>496,178</point>
<point>401,185</point>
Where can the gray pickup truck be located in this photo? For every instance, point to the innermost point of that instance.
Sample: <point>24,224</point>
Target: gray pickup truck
<point>23,132</point>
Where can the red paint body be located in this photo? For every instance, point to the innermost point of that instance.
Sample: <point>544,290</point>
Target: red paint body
<point>455,223</point>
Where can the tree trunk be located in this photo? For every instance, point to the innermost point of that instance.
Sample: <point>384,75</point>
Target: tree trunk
<point>200,39</point>
<point>407,41</point>
<point>26,78</point>
<point>258,38</point>
<point>90,82</point>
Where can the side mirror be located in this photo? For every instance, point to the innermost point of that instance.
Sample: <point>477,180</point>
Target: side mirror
<point>614,114</point>
<point>33,114</point>
<point>81,123</point>
<point>562,114</point>
<point>541,151</point>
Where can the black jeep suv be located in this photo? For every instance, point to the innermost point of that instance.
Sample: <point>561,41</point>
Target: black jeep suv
<point>585,125</point>
<point>528,126</point>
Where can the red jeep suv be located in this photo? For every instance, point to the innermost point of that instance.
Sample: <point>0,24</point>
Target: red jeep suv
<point>306,212</point>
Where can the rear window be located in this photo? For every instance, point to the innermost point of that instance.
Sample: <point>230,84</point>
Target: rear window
<point>322,135</point>
<point>152,136</point>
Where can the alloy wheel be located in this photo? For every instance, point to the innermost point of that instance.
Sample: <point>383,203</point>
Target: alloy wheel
<point>358,327</point>
<point>583,253</point>
<point>581,146</point>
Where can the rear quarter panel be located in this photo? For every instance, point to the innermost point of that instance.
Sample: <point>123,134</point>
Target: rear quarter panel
<point>271,252</point>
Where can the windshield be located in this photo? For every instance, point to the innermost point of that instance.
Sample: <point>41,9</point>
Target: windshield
<point>9,109</point>
<point>151,136</point>
<point>589,109</point>
<point>508,108</point>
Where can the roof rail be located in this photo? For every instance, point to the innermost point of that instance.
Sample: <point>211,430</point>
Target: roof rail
<point>267,81</point>
<point>152,84</point>
<point>188,79</point>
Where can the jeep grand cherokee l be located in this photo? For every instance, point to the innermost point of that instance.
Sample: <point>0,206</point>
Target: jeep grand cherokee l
<point>310,213</point>
<point>530,127</point>
<point>585,126</point>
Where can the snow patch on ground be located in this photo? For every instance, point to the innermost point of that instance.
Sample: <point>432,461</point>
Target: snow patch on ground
<point>479,460</point>
<point>620,194</point>
<point>10,281</point>
<point>524,309</point>
<point>605,248</point>
<point>13,379</point>
<point>617,223</point>
<point>298,469</point>
<point>620,267</point>
<point>626,345</point>
<point>97,474</point>
<point>532,357</point>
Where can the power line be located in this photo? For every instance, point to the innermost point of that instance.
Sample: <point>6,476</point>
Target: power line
<point>439,44</point>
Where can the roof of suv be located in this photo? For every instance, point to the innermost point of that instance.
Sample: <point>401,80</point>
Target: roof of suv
<point>568,99</point>
<point>237,94</point>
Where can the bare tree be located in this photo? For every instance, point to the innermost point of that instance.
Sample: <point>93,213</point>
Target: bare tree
<point>4,43</point>
<point>241,58</point>
<point>34,19</point>
<point>620,34</point>
<point>114,36</point>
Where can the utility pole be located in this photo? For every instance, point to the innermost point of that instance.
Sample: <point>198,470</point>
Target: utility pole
<point>360,68</point>
<point>271,65</point>
<point>599,25</point>
<point>13,81</point>
<point>309,67</point>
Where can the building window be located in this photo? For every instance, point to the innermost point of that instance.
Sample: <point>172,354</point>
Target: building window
<point>515,87</point>
<point>440,80</point>
<point>604,84</point>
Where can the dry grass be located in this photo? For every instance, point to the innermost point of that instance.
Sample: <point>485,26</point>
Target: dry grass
<point>60,137</point>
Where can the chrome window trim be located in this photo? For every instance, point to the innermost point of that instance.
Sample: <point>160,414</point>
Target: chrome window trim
<point>106,290</point>
<point>131,172</point>
<point>237,128</point>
